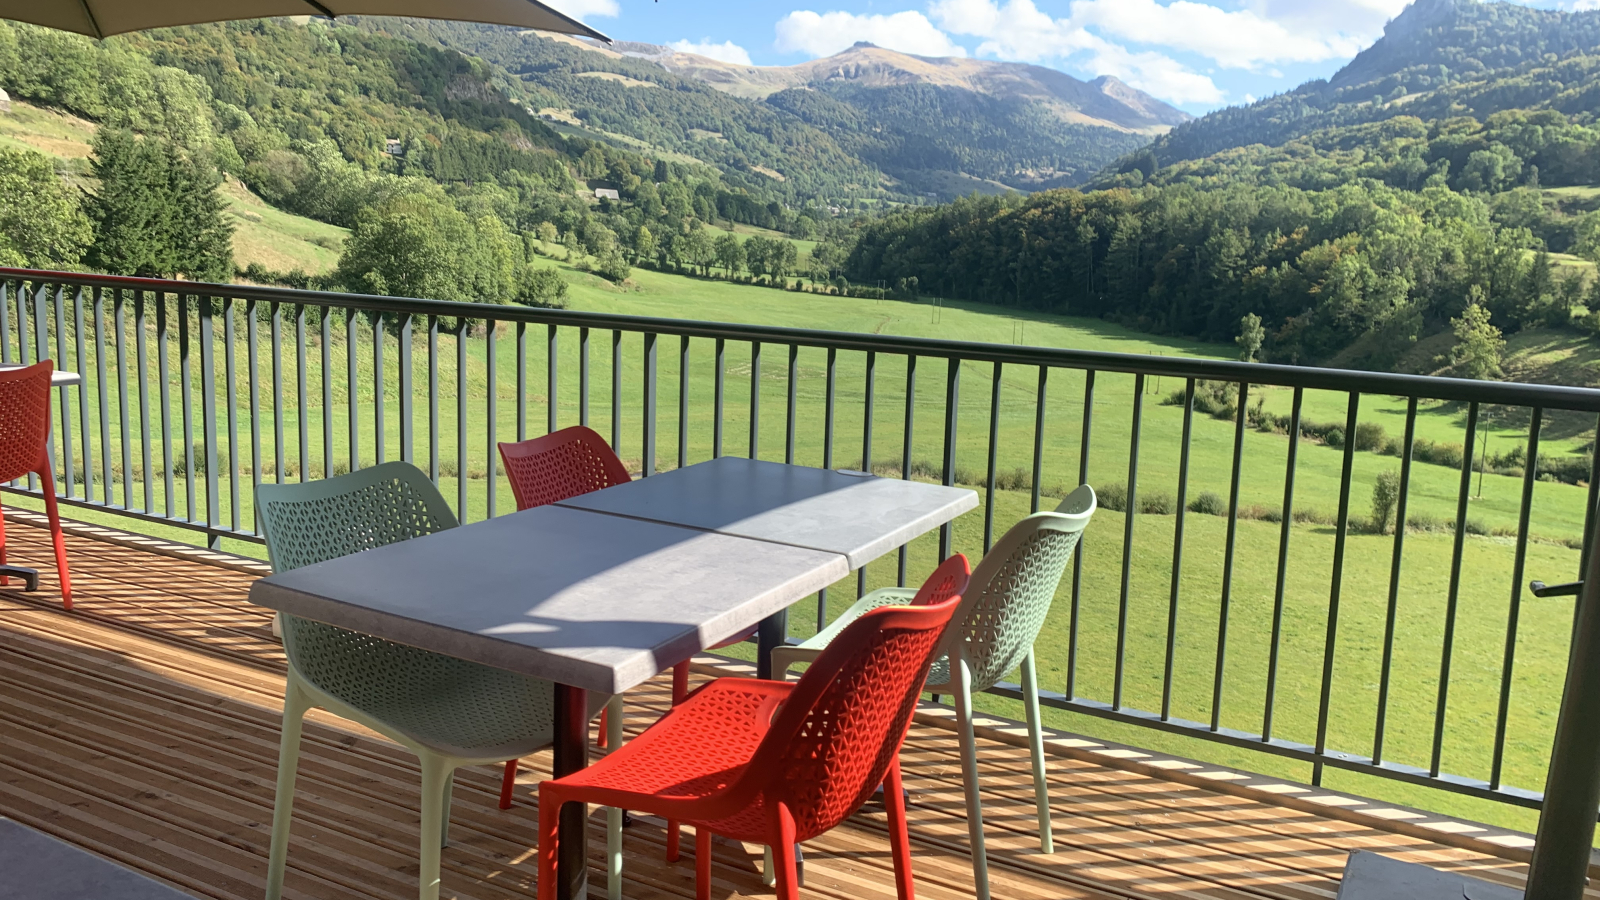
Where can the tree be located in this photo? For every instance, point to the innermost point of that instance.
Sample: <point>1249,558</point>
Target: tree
<point>41,225</point>
<point>1385,497</point>
<point>758,255</point>
<point>158,210</point>
<point>730,254</point>
<point>1251,335</point>
<point>644,244</point>
<point>541,286</point>
<point>1478,346</point>
<point>547,233</point>
<point>573,246</point>
<point>698,250</point>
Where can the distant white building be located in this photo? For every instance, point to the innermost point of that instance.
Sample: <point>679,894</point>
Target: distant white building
<point>393,147</point>
<point>606,194</point>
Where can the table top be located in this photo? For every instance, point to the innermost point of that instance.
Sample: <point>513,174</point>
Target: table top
<point>601,602</point>
<point>857,515</point>
<point>58,378</point>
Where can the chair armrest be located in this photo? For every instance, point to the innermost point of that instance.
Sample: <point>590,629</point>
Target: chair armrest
<point>808,649</point>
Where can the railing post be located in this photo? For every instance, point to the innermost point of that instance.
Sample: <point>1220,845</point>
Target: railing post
<point>1572,787</point>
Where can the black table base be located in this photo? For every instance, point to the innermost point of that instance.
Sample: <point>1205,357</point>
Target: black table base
<point>571,755</point>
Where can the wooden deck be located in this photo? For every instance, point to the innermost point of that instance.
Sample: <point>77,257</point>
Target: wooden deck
<point>144,727</point>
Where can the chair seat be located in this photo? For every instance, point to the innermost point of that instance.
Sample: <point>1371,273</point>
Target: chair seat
<point>452,706</point>
<point>696,751</point>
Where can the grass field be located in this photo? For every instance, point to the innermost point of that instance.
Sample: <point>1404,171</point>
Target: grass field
<point>1487,575</point>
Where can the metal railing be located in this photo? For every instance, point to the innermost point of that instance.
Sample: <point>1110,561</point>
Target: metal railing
<point>1225,626</point>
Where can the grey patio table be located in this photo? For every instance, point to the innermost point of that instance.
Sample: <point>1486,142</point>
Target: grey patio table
<point>604,600</point>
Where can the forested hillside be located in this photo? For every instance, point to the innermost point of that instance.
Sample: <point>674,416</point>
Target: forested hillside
<point>1420,192</point>
<point>894,132</point>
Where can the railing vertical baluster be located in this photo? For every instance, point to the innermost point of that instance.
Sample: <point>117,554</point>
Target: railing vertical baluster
<point>1038,440</point>
<point>462,333</point>
<point>208,413</point>
<point>22,321</point>
<point>994,439</point>
<point>1530,477</point>
<point>683,401</point>
<point>433,398</point>
<point>68,467</point>
<point>583,376</point>
<point>326,326</point>
<point>552,366</point>
<point>186,404</point>
<point>648,429</point>
<point>827,454</point>
<point>379,426</point>
<point>1382,718</point>
<point>140,326</point>
<point>522,380</point>
<point>1077,558</point>
<point>1331,640</point>
<point>107,476</point>
<point>1129,516</point>
<point>491,455</point>
<point>1284,531</point>
<point>252,348</point>
<point>5,318</point>
<point>166,405</point>
<point>302,392</point>
<point>83,395</point>
<point>1447,645</point>
<point>230,377</point>
<point>755,400</point>
<point>870,390</point>
<point>719,392</point>
<point>408,451</point>
<point>790,403</point>
<point>119,320</point>
<point>23,340</point>
<point>905,448</point>
<point>275,328</point>
<point>352,394</point>
<point>616,392</point>
<point>1225,605</point>
<point>952,420</point>
<point>1180,512</point>
<point>1588,511</point>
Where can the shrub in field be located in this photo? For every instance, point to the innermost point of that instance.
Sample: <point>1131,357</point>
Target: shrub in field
<point>1369,436</point>
<point>1158,503</point>
<point>1113,497</point>
<point>1209,504</point>
<point>1385,495</point>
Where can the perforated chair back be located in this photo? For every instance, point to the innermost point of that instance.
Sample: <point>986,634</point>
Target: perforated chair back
<point>1012,588</point>
<point>321,520</point>
<point>24,419</point>
<point>834,738</point>
<point>561,465</point>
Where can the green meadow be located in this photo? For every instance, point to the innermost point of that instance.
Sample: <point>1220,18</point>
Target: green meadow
<point>524,398</point>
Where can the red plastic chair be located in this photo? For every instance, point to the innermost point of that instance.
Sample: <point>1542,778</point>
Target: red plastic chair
<point>25,449</point>
<point>774,762</point>
<point>559,466</point>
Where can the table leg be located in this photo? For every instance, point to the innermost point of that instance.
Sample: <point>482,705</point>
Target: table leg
<point>572,754</point>
<point>772,633</point>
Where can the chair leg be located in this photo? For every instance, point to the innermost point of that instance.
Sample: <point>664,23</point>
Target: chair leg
<point>549,840</point>
<point>702,863</point>
<point>508,783</point>
<point>295,705</point>
<point>969,778</point>
<point>48,483</point>
<point>899,837</point>
<point>4,580</point>
<point>444,808</point>
<point>603,740</point>
<point>613,730</point>
<point>436,776</point>
<point>783,855</point>
<point>680,689</point>
<point>1041,785</point>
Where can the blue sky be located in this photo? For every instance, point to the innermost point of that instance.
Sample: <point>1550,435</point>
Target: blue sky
<point>1195,54</point>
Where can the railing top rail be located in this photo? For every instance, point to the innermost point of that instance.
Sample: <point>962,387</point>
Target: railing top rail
<point>1428,387</point>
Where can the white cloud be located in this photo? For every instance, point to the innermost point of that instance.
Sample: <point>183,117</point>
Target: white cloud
<point>583,9</point>
<point>824,34</point>
<point>1238,39</point>
<point>727,51</point>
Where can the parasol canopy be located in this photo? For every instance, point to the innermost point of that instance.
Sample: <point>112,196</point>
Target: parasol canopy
<point>102,18</point>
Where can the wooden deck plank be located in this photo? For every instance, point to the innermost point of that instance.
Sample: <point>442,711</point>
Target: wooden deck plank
<point>144,727</point>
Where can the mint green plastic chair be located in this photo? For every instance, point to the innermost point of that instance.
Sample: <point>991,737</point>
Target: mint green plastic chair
<point>448,711</point>
<point>993,633</point>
